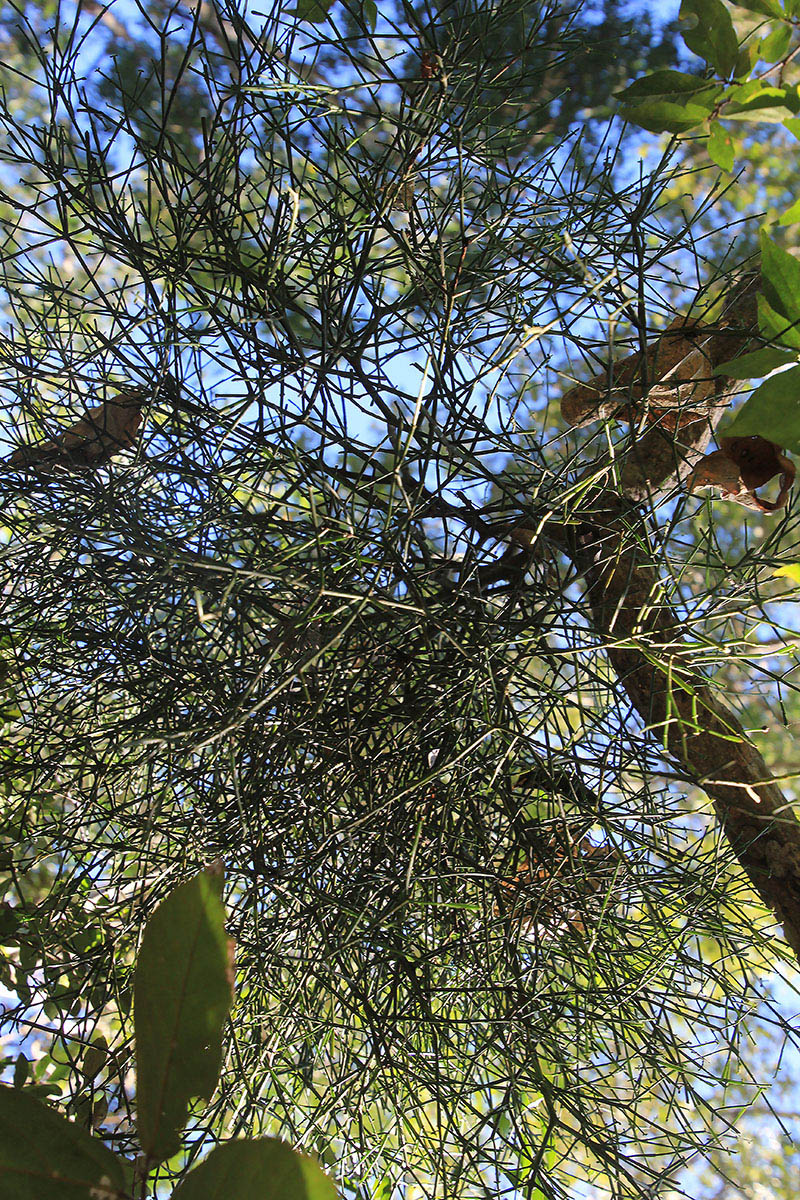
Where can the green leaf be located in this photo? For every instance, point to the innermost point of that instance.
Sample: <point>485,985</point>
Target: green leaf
<point>757,101</point>
<point>775,45</point>
<point>781,275</point>
<point>720,147</point>
<point>792,98</point>
<point>370,14</point>
<point>791,215</point>
<point>755,365</point>
<point>21,1068</point>
<point>745,61</point>
<point>43,1156</point>
<point>773,114</point>
<point>95,1058</point>
<point>264,1169</point>
<point>314,11</point>
<point>773,411</point>
<point>663,116</point>
<point>712,36</point>
<point>182,993</point>
<point>774,327</point>
<point>770,8</point>
<point>9,920</point>
<point>667,84</point>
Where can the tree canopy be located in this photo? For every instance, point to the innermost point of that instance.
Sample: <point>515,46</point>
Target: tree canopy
<point>362,536</point>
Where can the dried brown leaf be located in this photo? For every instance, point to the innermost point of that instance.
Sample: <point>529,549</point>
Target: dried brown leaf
<point>106,430</point>
<point>552,891</point>
<point>740,467</point>
<point>676,370</point>
<point>675,373</point>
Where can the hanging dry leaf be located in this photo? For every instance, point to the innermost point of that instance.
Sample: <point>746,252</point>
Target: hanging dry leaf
<point>676,374</point>
<point>740,467</point>
<point>105,431</point>
<point>558,887</point>
<point>404,197</point>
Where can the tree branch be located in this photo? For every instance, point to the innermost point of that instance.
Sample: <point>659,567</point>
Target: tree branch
<point>643,633</point>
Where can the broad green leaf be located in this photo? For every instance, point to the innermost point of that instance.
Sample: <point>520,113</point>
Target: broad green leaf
<point>663,116</point>
<point>182,993</point>
<point>43,1156</point>
<point>756,364</point>
<point>712,36</point>
<point>774,327</point>
<point>746,60</point>
<point>95,1058</point>
<point>790,571</point>
<point>773,114</point>
<point>793,97</point>
<point>773,411</point>
<point>757,101</point>
<point>770,8</point>
<point>264,1169</point>
<point>314,11</point>
<point>781,274</point>
<point>667,84</point>
<point>791,215</point>
<point>720,147</point>
<point>775,45</point>
<point>370,14</point>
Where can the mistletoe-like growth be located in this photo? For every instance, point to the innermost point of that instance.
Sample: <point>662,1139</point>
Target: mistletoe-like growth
<point>289,628</point>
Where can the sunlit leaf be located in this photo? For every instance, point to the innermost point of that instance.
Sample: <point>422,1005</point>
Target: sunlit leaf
<point>766,113</point>
<point>758,101</point>
<point>712,36</point>
<point>791,216</point>
<point>773,411</point>
<point>790,571</point>
<point>756,364</point>
<point>720,147</point>
<point>775,45</point>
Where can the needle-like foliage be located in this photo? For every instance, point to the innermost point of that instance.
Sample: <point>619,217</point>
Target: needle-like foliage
<point>487,939</point>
